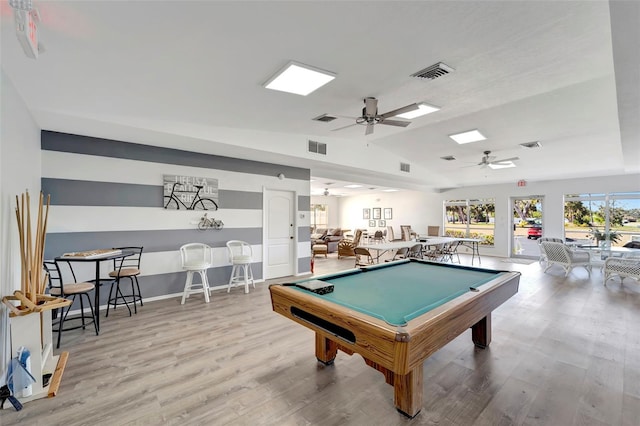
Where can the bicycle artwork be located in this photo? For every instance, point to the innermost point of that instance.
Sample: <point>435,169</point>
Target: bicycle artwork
<point>183,197</point>
<point>206,223</point>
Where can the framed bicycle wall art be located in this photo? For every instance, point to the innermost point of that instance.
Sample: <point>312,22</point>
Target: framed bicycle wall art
<point>190,193</point>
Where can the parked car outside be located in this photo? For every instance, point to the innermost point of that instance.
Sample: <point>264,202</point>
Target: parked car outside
<point>534,232</point>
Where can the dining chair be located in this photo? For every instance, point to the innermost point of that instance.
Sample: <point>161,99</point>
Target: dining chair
<point>240,256</point>
<point>363,257</point>
<point>196,259</point>
<point>415,251</point>
<point>433,231</point>
<point>57,287</point>
<point>126,267</point>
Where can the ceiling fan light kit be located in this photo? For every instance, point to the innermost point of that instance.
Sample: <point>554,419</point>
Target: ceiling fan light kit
<point>370,116</point>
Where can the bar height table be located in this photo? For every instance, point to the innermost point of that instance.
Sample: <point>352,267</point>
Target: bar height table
<point>97,259</point>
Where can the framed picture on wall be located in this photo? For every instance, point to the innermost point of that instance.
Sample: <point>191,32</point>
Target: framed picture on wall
<point>377,213</point>
<point>388,213</point>
<point>366,213</point>
<point>382,223</point>
<point>372,224</point>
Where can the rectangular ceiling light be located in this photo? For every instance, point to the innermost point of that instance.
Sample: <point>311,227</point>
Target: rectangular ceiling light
<point>468,137</point>
<point>503,165</point>
<point>299,79</point>
<point>423,109</point>
<point>353,186</point>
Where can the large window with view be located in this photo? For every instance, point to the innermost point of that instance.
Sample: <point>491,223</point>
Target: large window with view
<point>319,216</point>
<point>610,219</point>
<point>470,219</point>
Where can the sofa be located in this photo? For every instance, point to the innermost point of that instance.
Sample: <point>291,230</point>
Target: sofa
<point>331,237</point>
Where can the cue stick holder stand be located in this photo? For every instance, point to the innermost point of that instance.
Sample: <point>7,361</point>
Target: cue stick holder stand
<point>32,330</point>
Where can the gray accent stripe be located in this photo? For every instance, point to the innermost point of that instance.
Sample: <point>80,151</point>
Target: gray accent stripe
<point>240,200</point>
<point>152,241</point>
<point>64,142</point>
<point>162,284</point>
<point>304,203</point>
<point>67,192</point>
<point>304,265</point>
<point>304,233</point>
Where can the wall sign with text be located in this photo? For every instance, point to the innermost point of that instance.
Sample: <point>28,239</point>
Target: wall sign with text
<point>190,193</point>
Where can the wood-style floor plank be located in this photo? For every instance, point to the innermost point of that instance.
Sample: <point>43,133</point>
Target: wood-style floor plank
<point>565,351</point>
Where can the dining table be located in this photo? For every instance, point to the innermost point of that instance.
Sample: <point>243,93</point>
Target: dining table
<point>97,257</point>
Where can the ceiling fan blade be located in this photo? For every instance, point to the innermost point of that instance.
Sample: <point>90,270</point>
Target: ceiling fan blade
<point>370,107</point>
<point>369,129</point>
<point>395,123</point>
<point>505,160</point>
<point>343,127</point>
<point>399,111</point>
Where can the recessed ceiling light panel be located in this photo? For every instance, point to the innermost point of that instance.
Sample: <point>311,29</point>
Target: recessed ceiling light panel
<point>353,186</point>
<point>468,137</point>
<point>423,109</point>
<point>299,79</point>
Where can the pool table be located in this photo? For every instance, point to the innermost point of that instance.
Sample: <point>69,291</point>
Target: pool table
<point>396,315</point>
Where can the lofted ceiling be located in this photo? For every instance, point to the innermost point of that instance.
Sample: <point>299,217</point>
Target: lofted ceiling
<point>189,75</point>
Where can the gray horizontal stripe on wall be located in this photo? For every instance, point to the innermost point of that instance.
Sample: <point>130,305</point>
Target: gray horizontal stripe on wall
<point>304,265</point>
<point>59,243</point>
<point>65,142</point>
<point>161,284</point>
<point>304,203</point>
<point>304,233</point>
<point>67,192</point>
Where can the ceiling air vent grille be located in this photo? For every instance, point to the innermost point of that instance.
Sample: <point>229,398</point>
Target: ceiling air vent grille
<point>448,158</point>
<point>405,167</point>
<point>434,71</point>
<point>535,144</point>
<point>325,118</point>
<point>317,147</point>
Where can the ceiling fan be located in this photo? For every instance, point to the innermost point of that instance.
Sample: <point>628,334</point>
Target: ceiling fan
<point>489,160</point>
<point>370,116</point>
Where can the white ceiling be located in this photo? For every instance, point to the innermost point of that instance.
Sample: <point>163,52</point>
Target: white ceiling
<point>190,74</point>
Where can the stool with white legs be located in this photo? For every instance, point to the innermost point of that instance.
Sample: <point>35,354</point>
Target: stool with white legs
<point>240,256</point>
<point>196,258</point>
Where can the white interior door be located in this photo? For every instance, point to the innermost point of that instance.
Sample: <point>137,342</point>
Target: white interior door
<point>280,234</point>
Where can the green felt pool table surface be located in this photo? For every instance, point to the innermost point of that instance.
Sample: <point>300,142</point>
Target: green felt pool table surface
<point>399,292</point>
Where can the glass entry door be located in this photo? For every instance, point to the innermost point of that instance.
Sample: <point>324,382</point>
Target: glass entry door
<point>527,226</point>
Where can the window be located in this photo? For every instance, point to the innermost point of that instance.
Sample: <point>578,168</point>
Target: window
<point>602,218</point>
<point>319,216</point>
<point>470,219</point>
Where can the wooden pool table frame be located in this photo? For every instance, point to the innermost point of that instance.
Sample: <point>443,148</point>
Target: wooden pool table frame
<point>397,352</point>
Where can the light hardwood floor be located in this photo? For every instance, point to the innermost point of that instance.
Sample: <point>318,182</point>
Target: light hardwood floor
<point>565,351</point>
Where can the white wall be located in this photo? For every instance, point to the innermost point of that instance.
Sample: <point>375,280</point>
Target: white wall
<point>422,209</point>
<point>19,171</point>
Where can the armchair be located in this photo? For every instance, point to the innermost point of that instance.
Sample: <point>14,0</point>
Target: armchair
<point>560,254</point>
<point>346,247</point>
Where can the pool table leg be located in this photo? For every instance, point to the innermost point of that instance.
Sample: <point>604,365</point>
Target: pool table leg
<point>481,332</point>
<point>326,349</point>
<point>407,392</point>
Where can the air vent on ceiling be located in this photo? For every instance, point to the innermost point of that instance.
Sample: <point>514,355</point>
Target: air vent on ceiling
<point>405,167</point>
<point>448,158</point>
<point>317,147</point>
<point>325,118</point>
<point>434,71</point>
<point>535,144</point>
